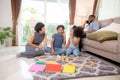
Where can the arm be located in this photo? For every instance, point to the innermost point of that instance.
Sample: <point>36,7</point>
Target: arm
<point>31,40</point>
<point>90,31</point>
<point>84,24</point>
<point>68,43</point>
<point>45,41</point>
<point>75,42</point>
<point>64,35</point>
<point>95,26</point>
<point>52,48</point>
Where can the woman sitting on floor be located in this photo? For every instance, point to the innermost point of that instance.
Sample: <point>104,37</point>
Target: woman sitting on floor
<point>34,47</point>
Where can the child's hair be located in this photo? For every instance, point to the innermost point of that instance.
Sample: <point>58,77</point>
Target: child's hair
<point>60,26</point>
<point>39,26</point>
<point>78,31</point>
<point>74,26</point>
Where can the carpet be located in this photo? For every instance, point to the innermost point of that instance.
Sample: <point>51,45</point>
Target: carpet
<point>87,65</point>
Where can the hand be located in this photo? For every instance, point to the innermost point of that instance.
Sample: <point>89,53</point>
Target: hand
<point>86,21</point>
<point>52,52</point>
<point>71,36</point>
<point>40,47</point>
<point>66,46</point>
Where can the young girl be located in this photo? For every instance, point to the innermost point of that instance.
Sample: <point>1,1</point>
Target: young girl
<point>73,41</point>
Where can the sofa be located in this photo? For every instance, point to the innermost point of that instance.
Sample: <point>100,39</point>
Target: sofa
<point>108,49</point>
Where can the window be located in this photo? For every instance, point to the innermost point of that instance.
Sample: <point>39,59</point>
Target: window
<point>50,12</point>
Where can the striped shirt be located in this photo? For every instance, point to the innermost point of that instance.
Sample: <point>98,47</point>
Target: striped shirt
<point>92,26</point>
<point>58,40</point>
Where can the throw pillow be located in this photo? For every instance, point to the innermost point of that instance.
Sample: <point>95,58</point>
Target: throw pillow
<point>102,36</point>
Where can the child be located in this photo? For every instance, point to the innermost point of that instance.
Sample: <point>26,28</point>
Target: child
<point>73,41</point>
<point>57,41</point>
<point>32,49</point>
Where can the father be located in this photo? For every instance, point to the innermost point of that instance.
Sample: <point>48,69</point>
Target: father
<point>90,25</point>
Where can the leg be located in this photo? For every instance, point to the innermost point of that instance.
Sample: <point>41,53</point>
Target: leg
<point>39,52</point>
<point>59,51</point>
<point>69,51</point>
<point>26,54</point>
<point>76,52</point>
<point>32,52</point>
<point>47,49</point>
<point>80,44</point>
<point>83,35</point>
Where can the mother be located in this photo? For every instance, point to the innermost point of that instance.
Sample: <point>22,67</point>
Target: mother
<point>34,47</point>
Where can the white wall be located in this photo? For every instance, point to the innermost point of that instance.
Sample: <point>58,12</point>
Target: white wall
<point>6,17</point>
<point>5,13</point>
<point>109,9</point>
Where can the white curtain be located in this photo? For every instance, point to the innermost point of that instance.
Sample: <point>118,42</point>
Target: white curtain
<point>84,8</point>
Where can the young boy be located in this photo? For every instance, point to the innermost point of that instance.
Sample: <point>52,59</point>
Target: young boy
<point>58,39</point>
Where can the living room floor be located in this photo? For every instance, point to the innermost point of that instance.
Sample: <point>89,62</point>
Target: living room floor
<point>12,68</point>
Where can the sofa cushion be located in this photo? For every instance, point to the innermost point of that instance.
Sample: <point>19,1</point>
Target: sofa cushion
<point>104,23</point>
<point>116,20</point>
<point>109,46</point>
<point>115,27</point>
<point>102,36</point>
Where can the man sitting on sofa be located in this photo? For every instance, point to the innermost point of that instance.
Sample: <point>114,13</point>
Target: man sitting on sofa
<point>90,25</point>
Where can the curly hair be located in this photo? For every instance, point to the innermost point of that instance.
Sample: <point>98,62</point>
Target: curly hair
<point>60,26</point>
<point>78,31</point>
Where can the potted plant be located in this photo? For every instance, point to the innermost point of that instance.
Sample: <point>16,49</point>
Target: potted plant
<point>6,33</point>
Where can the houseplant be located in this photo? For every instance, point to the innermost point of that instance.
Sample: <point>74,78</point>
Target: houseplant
<point>5,33</point>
